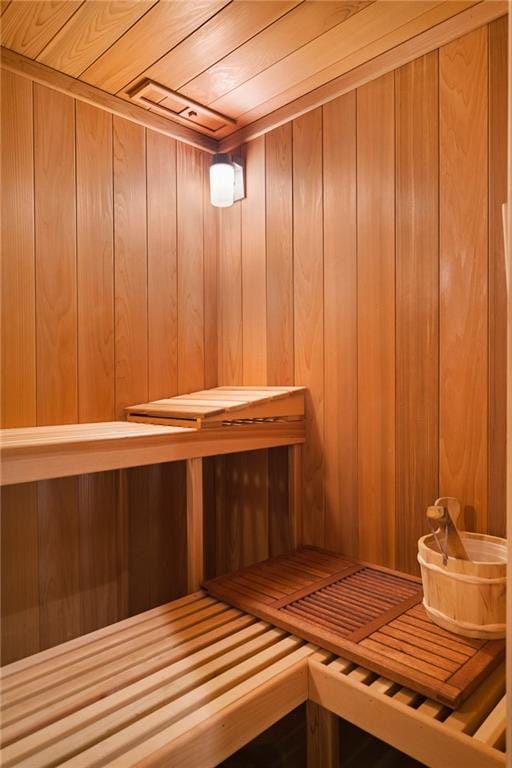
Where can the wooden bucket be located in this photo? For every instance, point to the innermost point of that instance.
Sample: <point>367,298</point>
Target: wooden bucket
<point>466,596</point>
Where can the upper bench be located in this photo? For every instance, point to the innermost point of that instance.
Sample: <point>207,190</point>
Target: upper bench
<point>206,423</point>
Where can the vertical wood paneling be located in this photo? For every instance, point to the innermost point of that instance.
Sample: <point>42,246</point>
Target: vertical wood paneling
<point>279,255</point>
<point>18,270</point>
<point>190,269</point>
<point>131,322</point>
<point>55,235</point>
<point>57,370</point>
<point>254,320</point>
<point>498,39</point>
<point>19,585</point>
<point>59,567</point>
<point>230,296</point>
<point>308,309</point>
<point>340,321</point>
<point>131,337</point>
<point>417,301</point>
<point>463,364</point>
<point>95,263</point>
<point>162,267</point>
<point>211,266</point>
<point>18,536</point>
<point>376,319</point>
<point>98,550</point>
<point>253,466</point>
<point>96,381</point>
<point>279,311</point>
<point>168,532</point>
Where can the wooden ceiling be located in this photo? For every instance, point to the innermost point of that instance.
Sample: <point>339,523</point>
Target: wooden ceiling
<point>241,59</point>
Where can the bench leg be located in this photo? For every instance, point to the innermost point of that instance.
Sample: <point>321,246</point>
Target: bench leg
<point>295,494</point>
<point>323,737</point>
<point>195,549</point>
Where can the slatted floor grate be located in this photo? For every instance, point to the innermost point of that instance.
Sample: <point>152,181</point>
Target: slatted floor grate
<point>371,615</point>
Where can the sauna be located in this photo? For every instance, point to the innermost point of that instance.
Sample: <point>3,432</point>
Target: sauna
<point>256,334</point>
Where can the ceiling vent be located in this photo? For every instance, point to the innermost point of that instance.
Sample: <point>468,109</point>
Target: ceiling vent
<point>157,98</point>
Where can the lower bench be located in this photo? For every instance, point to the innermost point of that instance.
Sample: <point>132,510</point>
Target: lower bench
<point>189,683</point>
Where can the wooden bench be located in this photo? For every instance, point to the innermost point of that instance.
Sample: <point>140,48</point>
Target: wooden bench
<point>186,684</point>
<point>189,683</point>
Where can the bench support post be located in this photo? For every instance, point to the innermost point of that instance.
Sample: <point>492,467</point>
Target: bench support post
<point>195,549</point>
<point>323,737</point>
<point>295,494</point>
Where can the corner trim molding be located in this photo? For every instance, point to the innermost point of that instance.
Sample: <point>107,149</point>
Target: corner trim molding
<point>40,73</point>
<point>427,41</point>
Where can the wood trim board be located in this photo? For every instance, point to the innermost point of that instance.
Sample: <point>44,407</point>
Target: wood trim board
<point>369,614</point>
<point>427,41</point>
<point>476,16</point>
<point>39,73</point>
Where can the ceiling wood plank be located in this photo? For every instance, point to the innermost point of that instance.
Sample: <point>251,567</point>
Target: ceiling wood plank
<point>233,26</point>
<point>94,28</point>
<point>28,26</point>
<point>382,25</point>
<point>291,32</point>
<point>163,27</point>
<point>14,62</point>
<point>427,41</point>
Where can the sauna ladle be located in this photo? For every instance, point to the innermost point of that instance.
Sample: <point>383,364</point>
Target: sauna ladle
<point>444,514</point>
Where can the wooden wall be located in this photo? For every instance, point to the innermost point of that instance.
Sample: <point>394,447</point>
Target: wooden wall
<point>367,264</point>
<point>108,298</point>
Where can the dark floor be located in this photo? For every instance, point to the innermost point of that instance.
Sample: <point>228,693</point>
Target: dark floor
<point>284,746</point>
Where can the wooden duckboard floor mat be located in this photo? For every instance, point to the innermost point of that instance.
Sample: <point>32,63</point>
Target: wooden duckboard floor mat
<point>371,615</point>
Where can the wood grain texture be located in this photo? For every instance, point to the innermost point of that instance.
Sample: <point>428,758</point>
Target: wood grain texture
<point>498,83</point>
<point>20,586</point>
<point>254,272</point>
<point>226,31</point>
<point>27,27</point>
<point>340,323</point>
<point>463,78</point>
<point>364,35</point>
<point>130,264</point>
<point>55,239</point>
<point>92,29</point>
<point>211,271</point>
<point>95,263</point>
<point>162,267</point>
<point>190,269</point>
<point>308,310</point>
<point>99,603</point>
<point>376,320</point>
<point>159,30</point>
<point>417,301</point>
<point>279,255</point>
<point>230,296</point>
<point>18,403</point>
<point>59,570</point>
<point>286,34</point>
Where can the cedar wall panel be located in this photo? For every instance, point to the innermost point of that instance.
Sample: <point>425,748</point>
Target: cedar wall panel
<point>366,263</point>
<point>100,289</point>
<point>385,296</point>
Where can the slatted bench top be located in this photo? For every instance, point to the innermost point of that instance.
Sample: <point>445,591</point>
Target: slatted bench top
<point>190,682</point>
<point>472,736</point>
<point>264,418</point>
<point>153,688</point>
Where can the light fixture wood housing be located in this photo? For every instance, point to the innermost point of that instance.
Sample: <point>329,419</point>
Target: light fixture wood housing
<point>173,105</point>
